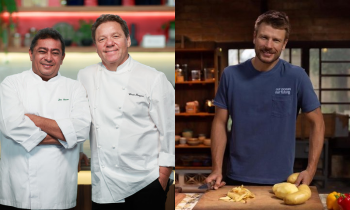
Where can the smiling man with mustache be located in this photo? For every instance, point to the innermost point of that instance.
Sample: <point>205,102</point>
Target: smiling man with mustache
<point>133,123</point>
<point>43,117</point>
<point>263,96</point>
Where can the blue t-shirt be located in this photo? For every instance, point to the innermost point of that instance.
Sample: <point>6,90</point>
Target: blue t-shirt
<point>263,107</point>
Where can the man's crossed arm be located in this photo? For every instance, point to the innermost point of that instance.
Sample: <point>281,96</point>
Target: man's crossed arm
<point>50,127</point>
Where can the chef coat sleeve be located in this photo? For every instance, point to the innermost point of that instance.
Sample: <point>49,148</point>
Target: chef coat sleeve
<point>14,124</point>
<point>162,112</point>
<point>76,128</point>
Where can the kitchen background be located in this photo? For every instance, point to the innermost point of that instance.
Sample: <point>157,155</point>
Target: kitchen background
<point>214,34</point>
<point>74,22</point>
<point>152,30</point>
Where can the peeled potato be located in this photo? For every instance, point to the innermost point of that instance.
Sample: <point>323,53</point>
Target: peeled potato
<point>277,185</point>
<point>281,190</point>
<point>301,196</point>
<point>292,178</point>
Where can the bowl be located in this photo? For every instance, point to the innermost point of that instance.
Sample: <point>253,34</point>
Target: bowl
<point>201,138</point>
<point>187,134</point>
<point>207,142</point>
<point>183,140</point>
<point>193,141</point>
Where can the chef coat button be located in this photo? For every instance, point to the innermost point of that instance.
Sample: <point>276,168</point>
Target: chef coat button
<point>94,107</point>
<point>116,165</point>
<point>103,166</point>
<point>113,147</point>
<point>97,127</point>
<point>117,126</point>
<point>123,88</point>
<point>119,107</point>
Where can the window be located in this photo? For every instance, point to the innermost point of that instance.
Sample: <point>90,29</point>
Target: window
<point>236,56</point>
<point>330,76</point>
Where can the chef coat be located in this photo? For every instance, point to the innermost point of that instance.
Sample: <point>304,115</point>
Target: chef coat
<point>36,176</point>
<point>132,131</point>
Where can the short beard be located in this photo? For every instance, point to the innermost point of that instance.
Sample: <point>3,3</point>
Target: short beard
<point>258,55</point>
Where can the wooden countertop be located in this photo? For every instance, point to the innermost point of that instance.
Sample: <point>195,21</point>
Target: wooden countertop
<point>186,201</point>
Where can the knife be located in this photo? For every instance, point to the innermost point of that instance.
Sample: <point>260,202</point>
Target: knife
<point>207,186</point>
<point>210,185</point>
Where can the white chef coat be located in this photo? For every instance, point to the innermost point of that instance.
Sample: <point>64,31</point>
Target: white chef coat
<point>133,128</point>
<point>40,176</point>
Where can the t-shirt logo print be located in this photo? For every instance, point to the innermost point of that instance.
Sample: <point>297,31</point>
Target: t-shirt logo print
<point>283,91</point>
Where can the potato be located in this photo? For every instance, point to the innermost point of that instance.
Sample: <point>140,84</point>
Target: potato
<point>301,196</point>
<point>292,178</point>
<point>276,186</point>
<point>283,189</point>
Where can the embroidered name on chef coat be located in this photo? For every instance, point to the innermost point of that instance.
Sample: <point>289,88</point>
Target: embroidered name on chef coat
<point>135,94</point>
<point>64,99</point>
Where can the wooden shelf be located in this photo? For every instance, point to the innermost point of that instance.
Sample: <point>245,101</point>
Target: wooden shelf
<point>193,50</point>
<point>93,49</point>
<point>199,114</point>
<point>195,82</point>
<point>105,9</point>
<point>186,146</point>
<point>193,168</point>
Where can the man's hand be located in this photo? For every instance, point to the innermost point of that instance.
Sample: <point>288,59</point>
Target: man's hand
<point>216,178</point>
<point>86,160</point>
<point>49,140</point>
<point>47,125</point>
<point>305,177</point>
<point>164,173</point>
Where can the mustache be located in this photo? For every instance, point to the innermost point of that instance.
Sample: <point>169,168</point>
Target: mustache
<point>268,50</point>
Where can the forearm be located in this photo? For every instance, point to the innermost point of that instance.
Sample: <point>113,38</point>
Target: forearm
<point>47,125</point>
<point>49,140</point>
<point>164,172</point>
<point>218,144</point>
<point>315,146</point>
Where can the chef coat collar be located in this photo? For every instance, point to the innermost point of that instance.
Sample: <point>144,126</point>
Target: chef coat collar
<point>38,78</point>
<point>121,68</point>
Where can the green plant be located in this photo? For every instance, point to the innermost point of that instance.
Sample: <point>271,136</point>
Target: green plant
<point>85,29</point>
<point>10,6</point>
<point>84,32</point>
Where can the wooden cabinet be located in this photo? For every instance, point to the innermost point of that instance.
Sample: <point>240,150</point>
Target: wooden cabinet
<point>196,59</point>
<point>193,163</point>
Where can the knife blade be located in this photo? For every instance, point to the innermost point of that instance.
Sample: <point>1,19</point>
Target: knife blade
<point>207,186</point>
<point>203,187</point>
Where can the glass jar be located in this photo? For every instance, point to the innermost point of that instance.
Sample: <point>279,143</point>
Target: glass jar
<point>180,76</point>
<point>27,40</point>
<point>209,74</point>
<point>17,40</point>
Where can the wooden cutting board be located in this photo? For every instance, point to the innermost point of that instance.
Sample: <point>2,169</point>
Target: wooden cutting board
<point>264,200</point>
<point>179,197</point>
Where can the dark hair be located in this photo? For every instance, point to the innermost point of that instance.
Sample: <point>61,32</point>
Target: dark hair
<point>46,33</point>
<point>276,19</point>
<point>107,18</point>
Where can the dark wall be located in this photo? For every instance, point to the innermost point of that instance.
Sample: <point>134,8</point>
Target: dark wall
<point>233,20</point>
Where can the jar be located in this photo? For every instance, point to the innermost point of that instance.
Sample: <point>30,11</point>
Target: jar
<point>17,40</point>
<point>180,76</point>
<point>196,75</point>
<point>27,40</point>
<point>209,74</point>
<point>177,109</point>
